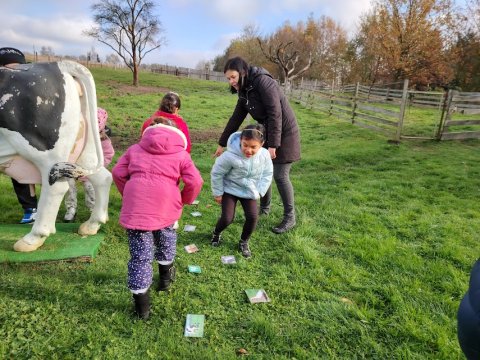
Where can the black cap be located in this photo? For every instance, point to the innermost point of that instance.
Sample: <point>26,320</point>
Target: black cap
<point>10,55</point>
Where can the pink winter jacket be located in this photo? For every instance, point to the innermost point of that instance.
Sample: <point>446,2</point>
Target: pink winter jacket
<point>108,151</point>
<point>148,176</point>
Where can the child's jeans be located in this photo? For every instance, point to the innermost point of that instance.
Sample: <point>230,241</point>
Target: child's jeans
<point>144,246</point>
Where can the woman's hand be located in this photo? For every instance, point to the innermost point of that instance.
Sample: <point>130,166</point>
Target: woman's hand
<point>218,199</point>
<point>273,152</point>
<point>219,151</point>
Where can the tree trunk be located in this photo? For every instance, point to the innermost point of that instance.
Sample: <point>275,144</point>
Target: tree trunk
<point>135,75</point>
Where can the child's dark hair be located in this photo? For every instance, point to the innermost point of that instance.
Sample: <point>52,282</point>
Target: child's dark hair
<point>163,120</point>
<point>170,102</point>
<point>241,66</point>
<point>254,132</point>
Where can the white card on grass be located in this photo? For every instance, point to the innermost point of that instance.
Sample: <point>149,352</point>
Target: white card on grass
<point>229,259</point>
<point>189,228</point>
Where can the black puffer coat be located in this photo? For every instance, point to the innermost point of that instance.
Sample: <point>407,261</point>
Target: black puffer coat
<point>262,98</point>
<point>468,317</point>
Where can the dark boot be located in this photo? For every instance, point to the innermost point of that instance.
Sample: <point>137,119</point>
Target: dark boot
<point>167,275</point>
<point>244,249</point>
<point>263,211</point>
<point>142,305</point>
<point>216,239</point>
<point>286,224</point>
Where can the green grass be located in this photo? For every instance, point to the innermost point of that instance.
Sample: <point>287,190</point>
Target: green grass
<point>376,267</point>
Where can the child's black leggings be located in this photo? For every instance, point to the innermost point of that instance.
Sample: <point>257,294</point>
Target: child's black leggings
<point>249,206</point>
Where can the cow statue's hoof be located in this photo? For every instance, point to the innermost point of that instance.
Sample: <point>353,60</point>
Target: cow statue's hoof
<point>23,246</point>
<point>88,228</point>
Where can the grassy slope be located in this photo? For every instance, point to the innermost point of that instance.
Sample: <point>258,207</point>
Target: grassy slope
<point>376,268</point>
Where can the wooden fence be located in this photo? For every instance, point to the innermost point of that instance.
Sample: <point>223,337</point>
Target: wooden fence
<point>376,109</point>
<point>466,106</point>
<point>205,74</point>
<point>382,109</point>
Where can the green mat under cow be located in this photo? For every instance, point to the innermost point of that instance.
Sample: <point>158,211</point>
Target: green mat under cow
<point>65,244</point>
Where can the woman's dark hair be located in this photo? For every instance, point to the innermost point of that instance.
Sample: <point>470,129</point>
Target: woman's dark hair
<point>254,132</point>
<point>241,66</point>
<point>170,102</point>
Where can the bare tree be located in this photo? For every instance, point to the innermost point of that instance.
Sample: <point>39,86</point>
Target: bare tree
<point>290,49</point>
<point>316,47</point>
<point>473,16</point>
<point>112,59</point>
<point>129,28</point>
<point>47,51</point>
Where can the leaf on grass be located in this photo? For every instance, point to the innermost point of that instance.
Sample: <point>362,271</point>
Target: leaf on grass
<point>346,301</point>
<point>242,351</point>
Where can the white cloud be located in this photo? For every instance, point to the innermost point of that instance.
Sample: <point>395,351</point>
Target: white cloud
<point>235,12</point>
<point>59,24</point>
<point>59,32</point>
<point>240,13</point>
<point>221,43</point>
<point>180,57</point>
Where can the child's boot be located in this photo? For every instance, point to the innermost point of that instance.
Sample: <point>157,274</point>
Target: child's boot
<point>216,239</point>
<point>167,275</point>
<point>70,214</point>
<point>244,248</point>
<point>142,305</point>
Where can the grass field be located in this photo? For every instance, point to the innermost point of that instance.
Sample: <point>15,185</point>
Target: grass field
<point>375,269</point>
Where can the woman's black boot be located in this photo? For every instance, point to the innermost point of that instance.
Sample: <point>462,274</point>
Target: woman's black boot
<point>286,224</point>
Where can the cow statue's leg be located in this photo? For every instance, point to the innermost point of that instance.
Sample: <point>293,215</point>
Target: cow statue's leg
<point>50,199</point>
<point>101,182</point>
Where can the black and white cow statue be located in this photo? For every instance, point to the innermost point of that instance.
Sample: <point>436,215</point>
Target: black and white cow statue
<point>48,118</point>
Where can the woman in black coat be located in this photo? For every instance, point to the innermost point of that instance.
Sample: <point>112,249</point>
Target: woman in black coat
<point>260,96</point>
<point>468,317</point>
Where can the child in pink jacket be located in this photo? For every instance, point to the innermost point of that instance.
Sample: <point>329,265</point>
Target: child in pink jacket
<point>147,177</point>
<point>108,152</point>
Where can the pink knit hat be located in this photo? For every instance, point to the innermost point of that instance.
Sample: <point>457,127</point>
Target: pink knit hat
<point>102,117</point>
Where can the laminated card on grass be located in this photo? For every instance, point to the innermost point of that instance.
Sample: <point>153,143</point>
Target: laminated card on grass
<point>194,325</point>
<point>257,296</point>
<point>192,248</point>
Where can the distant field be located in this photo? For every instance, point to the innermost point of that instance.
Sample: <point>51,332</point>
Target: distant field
<point>375,269</point>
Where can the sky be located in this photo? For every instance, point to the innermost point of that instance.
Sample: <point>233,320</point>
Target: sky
<point>194,30</point>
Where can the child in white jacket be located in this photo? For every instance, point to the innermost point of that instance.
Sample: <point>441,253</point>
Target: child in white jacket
<point>243,173</point>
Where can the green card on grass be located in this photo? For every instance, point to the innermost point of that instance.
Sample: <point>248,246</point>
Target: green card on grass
<point>194,325</point>
<point>65,244</point>
<point>194,269</point>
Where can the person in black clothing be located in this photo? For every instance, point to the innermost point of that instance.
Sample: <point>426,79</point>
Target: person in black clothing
<point>26,197</point>
<point>468,318</point>
<point>260,96</point>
